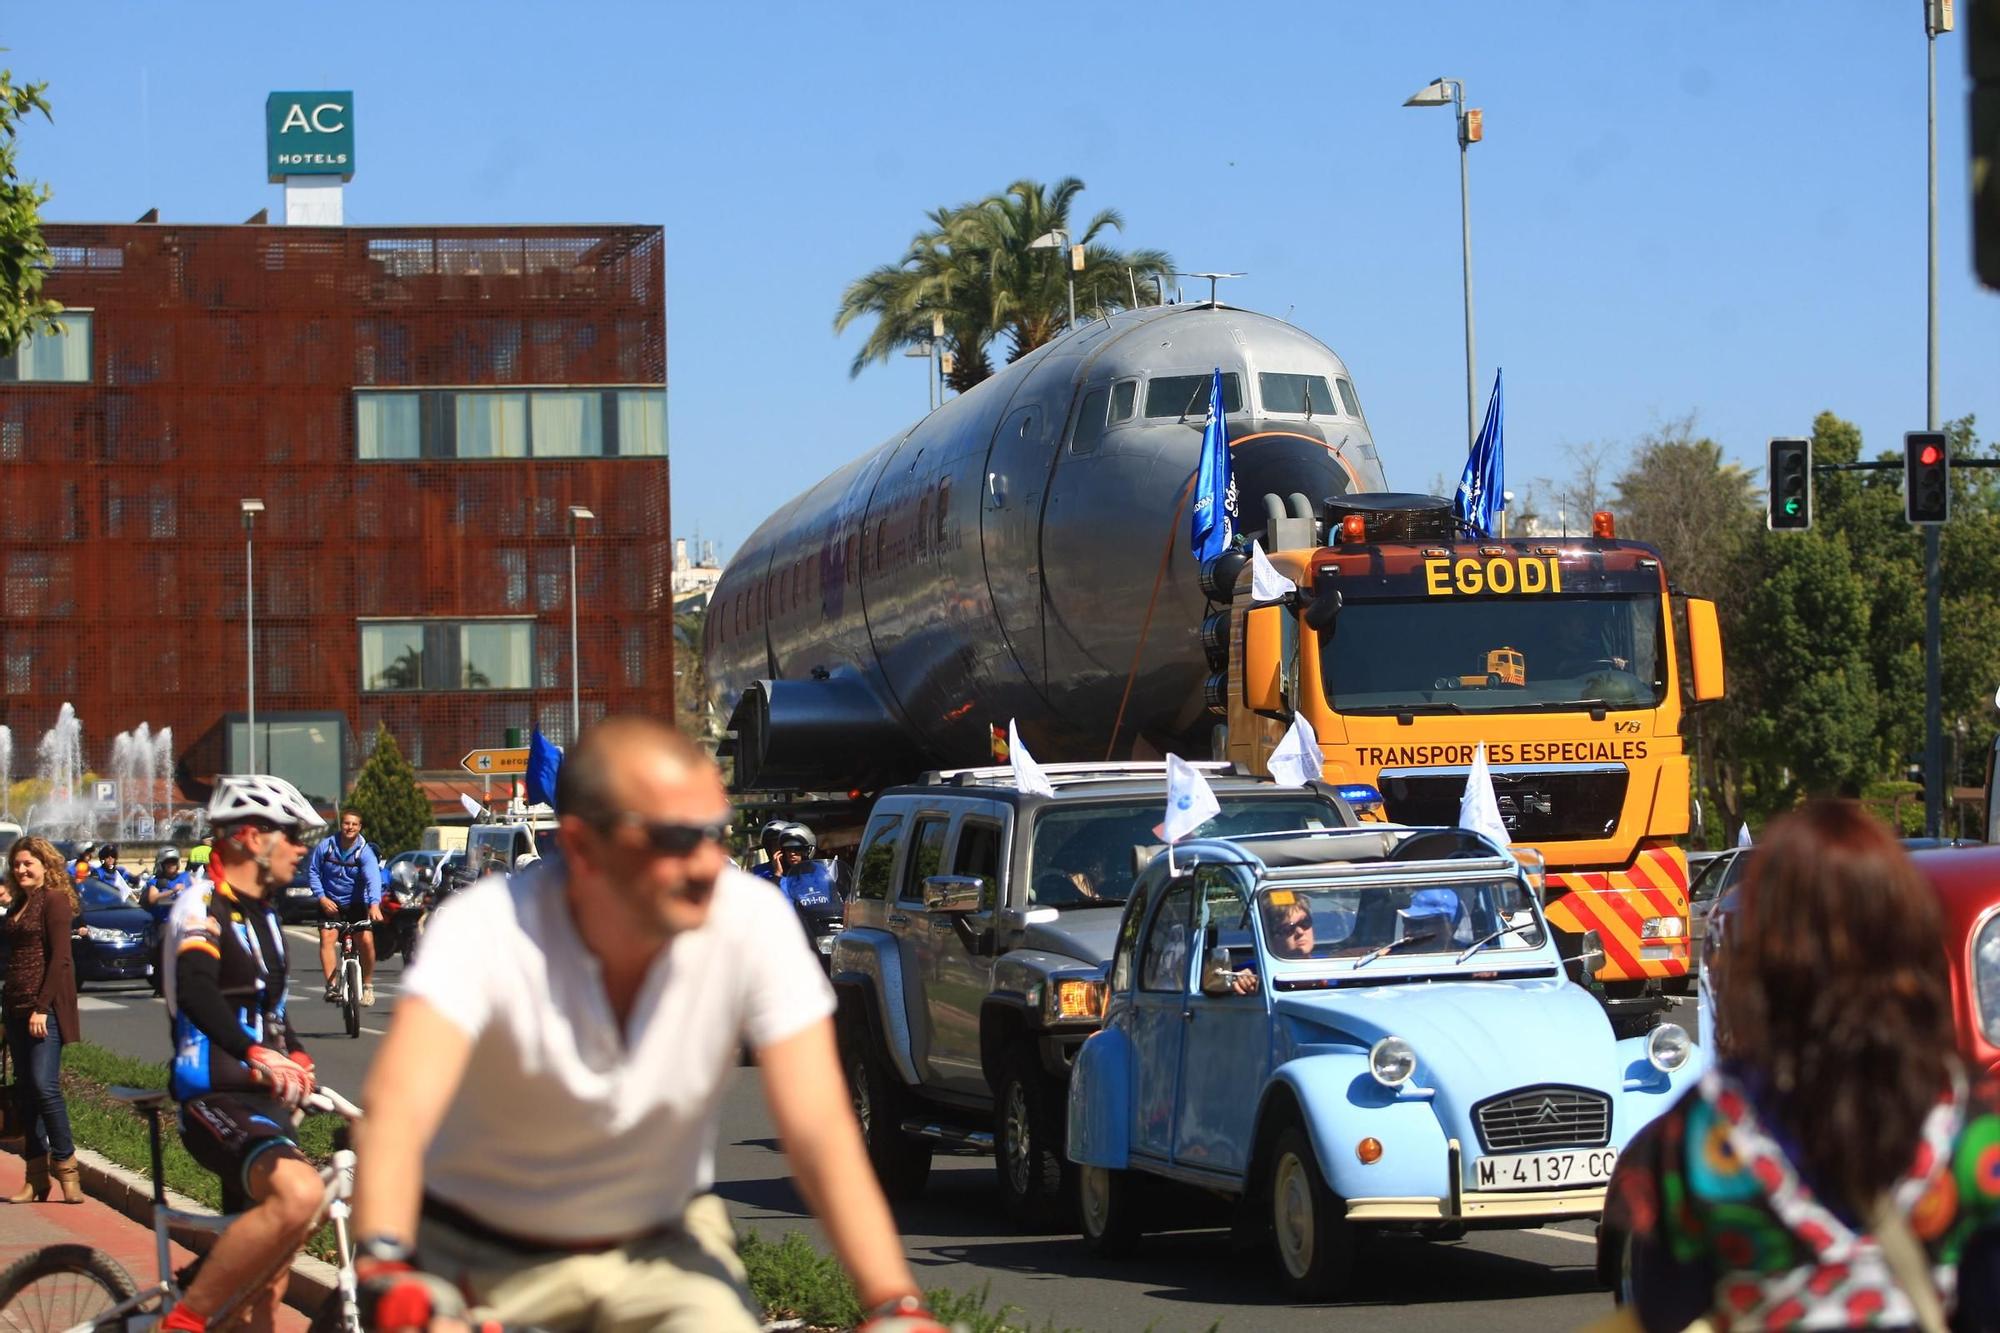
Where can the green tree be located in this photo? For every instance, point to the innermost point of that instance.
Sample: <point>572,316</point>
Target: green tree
<point>24,255</point>
<point>393,808</point>
<point>974,269</point>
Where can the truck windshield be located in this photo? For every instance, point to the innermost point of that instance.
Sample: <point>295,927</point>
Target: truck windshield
<point>1363,923</point>
<point>1495,654</point>
<point>1088,855</point>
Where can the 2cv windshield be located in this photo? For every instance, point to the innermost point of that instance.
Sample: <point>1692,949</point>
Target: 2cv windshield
<point>1359,924</point>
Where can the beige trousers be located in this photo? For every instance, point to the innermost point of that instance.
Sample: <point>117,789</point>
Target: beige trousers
<point>688,1280</point>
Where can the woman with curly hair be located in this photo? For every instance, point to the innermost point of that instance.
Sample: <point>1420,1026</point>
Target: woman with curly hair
<point>1836,1166</point>
<point>38,999</point>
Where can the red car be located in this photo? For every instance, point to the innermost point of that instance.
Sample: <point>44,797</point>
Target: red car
<point>1967,880</point>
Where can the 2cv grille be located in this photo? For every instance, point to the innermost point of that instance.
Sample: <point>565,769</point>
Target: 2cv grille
<point>1547,1117</point>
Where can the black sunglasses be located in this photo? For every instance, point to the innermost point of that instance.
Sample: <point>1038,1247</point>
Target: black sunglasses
<point>291,831</point>
<point>666,838</point>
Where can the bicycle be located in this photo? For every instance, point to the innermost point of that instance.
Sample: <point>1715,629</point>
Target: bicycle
<point>81,1290</point>
<point>347,976</point>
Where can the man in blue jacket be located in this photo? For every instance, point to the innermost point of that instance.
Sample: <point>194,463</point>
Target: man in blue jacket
<point>348,883</point>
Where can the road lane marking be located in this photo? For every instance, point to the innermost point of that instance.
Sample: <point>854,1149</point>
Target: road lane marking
<point>1563,1235</point>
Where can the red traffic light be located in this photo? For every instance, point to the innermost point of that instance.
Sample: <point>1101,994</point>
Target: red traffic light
<point>1930,455</point>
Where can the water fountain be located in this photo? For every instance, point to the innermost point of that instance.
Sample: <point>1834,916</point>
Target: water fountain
<point>64,810</point>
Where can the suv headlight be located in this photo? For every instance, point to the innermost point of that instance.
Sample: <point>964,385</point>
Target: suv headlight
<point>1392,1061</point>
<point>1073,1000</point>
<point>1668,1047</point>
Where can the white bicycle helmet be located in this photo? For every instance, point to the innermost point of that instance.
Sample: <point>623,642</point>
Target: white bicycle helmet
<point>238,797</point>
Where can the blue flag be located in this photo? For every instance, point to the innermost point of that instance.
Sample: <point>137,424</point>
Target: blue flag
<point>544,759</point>
<point>1481,491</point>
<point>1214,519</point>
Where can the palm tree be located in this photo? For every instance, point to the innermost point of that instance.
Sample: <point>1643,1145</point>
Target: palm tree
<point>974,267</point>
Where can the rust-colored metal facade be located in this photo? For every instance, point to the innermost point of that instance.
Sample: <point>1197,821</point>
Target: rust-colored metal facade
<point>228,362</point>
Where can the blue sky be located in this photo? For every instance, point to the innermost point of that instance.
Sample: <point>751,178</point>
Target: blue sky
<point>1708,207</point>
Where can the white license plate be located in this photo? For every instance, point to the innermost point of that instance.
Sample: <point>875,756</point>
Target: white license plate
<point>1544,1170</point>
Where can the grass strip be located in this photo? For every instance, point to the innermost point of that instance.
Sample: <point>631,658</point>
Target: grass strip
<point>789,1278</point>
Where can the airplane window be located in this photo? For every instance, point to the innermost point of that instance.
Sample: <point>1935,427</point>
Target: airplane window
<point>1187,395</point>
<point>1124,397</point>
<point>1296,393</point>
<point>1089,423</point>
<point>1347,396</point>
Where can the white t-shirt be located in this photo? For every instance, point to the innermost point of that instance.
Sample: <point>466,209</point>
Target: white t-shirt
<point>561,1128</point>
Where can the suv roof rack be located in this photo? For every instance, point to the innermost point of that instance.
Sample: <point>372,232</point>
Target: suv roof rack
<point>1059,775</point>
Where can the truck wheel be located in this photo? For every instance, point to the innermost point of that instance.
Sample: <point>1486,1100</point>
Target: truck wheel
<point>1309,1224</point>
<point>1037,1183</point>
<point>1108,1206</point>
<point>902,1164</point>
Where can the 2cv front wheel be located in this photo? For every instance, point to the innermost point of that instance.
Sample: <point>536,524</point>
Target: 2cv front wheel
<point>1309,1224</point>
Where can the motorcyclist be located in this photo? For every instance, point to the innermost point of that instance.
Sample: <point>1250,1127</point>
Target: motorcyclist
<point>805,881</point>
<point>760,862</point>
<point>109,874</point>
<point>168,880</point>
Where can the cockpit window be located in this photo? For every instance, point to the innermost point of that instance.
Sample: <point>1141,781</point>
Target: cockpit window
<point>1347,396</point>
<point>1187,395</point>
<point>1124,397</point>
<point>1297,393</point>
<point>1089,423</point>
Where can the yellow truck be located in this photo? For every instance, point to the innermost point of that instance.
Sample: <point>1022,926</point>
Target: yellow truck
<point>1580,704</point>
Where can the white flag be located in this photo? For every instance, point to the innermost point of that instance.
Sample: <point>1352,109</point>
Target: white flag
<point>1297,760</point>
<point>1028,775</point>
<point>472,807</point>
<point>1479,808</point>
<point>1190,803</point>
<point>1743,835</point>
<point>1266,583</point>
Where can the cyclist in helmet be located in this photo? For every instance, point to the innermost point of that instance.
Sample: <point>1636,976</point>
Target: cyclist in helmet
<point>238,1070</point>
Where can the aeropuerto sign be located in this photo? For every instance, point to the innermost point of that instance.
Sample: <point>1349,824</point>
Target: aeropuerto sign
<point>309,134</point>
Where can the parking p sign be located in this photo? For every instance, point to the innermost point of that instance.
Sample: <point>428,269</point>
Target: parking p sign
<point>104,794</point>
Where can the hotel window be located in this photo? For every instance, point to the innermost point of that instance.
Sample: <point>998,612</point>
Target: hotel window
<point>492,425</point>
<point>447,655</point>
<point>388,425</point>
<point>62,357</point>
<point>568,425</point>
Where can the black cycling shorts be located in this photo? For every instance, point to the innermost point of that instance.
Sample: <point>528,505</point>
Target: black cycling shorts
<point>356,911</point>
<point>228,1132</point>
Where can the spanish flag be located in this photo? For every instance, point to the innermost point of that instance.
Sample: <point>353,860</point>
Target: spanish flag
<point>996,739</point>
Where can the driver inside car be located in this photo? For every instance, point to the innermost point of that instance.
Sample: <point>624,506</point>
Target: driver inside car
<point>1288,923</point>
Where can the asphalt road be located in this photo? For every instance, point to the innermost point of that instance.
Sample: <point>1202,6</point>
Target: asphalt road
<point>957,1236</point>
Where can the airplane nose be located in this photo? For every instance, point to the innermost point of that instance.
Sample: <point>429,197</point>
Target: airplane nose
<point>1282,474</point>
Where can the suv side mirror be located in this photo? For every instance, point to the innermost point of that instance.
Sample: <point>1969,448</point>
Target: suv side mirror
<point>954,895</point>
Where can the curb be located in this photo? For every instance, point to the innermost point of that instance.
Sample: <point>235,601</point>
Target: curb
<point>127,1192</point>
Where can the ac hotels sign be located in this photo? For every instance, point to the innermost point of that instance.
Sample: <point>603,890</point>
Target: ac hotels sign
<point>309,134</point>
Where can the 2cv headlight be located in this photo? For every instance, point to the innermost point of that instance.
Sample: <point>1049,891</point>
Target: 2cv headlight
<point>1392,1061</point>
<point>1668,1047</point>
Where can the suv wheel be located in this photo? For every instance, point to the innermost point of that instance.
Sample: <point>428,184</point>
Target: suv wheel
<point>902,1164</point>
<point>1037,1183</point>
<point>1107,1206</point>
<point>1309,1224</point>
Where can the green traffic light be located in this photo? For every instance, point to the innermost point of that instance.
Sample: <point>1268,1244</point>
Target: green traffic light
<point>1791,508</point>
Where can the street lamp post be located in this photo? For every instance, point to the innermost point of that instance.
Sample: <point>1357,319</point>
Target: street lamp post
<point>577,514</point>
<point>1058,239</point>
<point>1937,19</point>
<point>251,508</point>
<point>1439,92</point>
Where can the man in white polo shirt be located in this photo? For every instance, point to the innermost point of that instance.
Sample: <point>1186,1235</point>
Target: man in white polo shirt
<point>542,1113</point>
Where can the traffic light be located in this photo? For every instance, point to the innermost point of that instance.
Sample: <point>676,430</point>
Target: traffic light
<point>1926,477</point>
<point>1790,475</point>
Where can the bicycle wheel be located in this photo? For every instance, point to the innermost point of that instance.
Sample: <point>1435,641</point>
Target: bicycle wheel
<point>350,996</point>
<point>62,1286</point>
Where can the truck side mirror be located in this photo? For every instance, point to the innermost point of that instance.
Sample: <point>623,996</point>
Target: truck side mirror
<point>1704,650</point>
<point>954,895</point>
<point>1263,659</point>
<point>1323,610</point>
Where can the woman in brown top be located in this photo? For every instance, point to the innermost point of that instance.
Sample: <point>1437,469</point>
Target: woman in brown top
<point>39,1002</point>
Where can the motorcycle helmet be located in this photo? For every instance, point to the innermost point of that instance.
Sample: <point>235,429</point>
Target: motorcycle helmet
<point>800,837</point>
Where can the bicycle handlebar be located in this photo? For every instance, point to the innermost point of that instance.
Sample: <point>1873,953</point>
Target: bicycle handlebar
<point>325,1099</point>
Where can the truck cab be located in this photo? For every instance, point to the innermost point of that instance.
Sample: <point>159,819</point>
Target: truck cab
<point>972,963</point>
